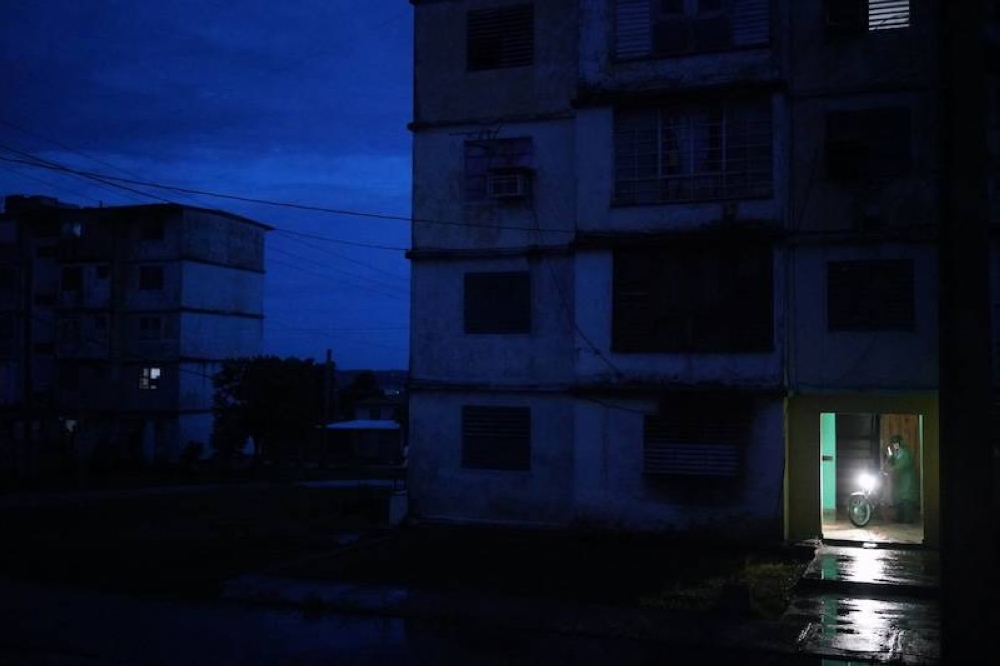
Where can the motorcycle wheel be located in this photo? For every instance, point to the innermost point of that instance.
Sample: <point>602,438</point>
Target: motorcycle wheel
<point>859,510</point>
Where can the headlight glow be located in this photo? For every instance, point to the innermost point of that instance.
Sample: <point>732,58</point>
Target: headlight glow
<point>867,482</point>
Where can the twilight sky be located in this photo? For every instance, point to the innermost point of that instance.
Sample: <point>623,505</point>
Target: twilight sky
<point>302,101</point>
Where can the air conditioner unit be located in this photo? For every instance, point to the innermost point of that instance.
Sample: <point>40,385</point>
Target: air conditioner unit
<point>514,185</point>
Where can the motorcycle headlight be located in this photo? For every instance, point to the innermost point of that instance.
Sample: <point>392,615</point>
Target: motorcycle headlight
<point>867,482</point>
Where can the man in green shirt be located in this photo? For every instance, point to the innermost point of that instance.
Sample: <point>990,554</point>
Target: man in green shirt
<point>904,483</point>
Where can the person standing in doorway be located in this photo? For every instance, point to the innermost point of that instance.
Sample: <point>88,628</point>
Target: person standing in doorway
<point>904,483</point>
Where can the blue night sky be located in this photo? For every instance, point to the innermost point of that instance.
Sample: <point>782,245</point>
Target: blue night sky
<point>303,102</point>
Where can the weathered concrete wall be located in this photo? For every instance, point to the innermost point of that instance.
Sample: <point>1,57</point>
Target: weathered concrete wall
<point>445,91</point>
<point>220,239</point>
<point>441,488</point>
<point>215,336</point>
<point>444,352</point>
<point>611,490</point>
<point>593,282</point>
<point>902,360</point>
<point>439,182</point>
<point>221,289</point>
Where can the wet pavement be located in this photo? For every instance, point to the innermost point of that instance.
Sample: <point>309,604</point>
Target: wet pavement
<point>871,604</point>
<point>881,531</point>
<point>43,625</point>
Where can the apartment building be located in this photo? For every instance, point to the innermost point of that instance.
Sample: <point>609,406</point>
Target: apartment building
<point>115,320</point>
<point>675,262</point>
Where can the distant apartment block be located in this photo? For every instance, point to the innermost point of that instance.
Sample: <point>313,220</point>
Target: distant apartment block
<point>114,320</point>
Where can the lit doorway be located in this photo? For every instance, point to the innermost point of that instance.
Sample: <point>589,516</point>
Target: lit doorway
<point>854,454</point>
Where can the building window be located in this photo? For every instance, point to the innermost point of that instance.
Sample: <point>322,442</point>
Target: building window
<point>498,302</point>
<point>69,375</point>
<point>859,16</point>
<point>698,435</point>
<point>149,379</point>
<point>693,297</point>
<point>693,153</point>
<point>500,37</point>
<point>8,279</point>
<point>870,295</point>
<point>45,348</point>
<point>150,328</point>
<point>151,230</point>
<point>663,28</point>
<point>101,322</point>
<point>489,161</point>
<point>71,278</point>
<point>151,278</point>
<point>101,271</point>
<point>868,143</point>
<point>496,438</point>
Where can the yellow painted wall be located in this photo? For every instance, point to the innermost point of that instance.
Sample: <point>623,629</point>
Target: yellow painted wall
<point>802,451</point>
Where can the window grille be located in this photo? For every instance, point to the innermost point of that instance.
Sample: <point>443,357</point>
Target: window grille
<point>500,37</point>
<point>676,154</point>
<point>693,298</point>
<point>496,437</point>
<point>701,435</point>
<point>660,28</point>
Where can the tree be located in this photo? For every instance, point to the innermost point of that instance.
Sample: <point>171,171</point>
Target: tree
<point>276,401</point>
<point>364,386</point>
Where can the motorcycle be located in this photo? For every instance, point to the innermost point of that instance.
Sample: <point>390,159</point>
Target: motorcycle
<point>865,503</point>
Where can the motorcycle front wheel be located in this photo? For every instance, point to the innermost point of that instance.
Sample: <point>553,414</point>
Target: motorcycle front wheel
<point>859,510</point>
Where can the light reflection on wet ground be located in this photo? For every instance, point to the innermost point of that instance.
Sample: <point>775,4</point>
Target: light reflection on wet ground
<point>878,628</point>
<point>912,568</point>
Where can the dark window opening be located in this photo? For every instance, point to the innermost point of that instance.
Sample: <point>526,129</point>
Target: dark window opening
<point>498,302</point>
<point>496,438</point>
<point>69,330</point>
<point>500,37</point>
<point>150,278</point>
<point>71,278</point>
<point>693,297</point>
<point>869,143</point>
<point>870,295</point>
<point>101,271</point>
<point>45,348</point>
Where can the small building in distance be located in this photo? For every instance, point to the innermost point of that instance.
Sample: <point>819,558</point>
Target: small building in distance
<point>114,321</point>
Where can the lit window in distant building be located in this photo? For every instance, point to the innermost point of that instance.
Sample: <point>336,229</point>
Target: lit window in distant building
<point>149,379</point>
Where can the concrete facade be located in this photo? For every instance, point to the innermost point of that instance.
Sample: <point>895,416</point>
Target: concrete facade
<point>828,172</point>
<point>124,314</point>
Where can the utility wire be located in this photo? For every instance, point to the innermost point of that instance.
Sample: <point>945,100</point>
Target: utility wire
<point>48,183</point>
<point>366,265</point>
<point>341,271</point>
<point>271,202</point>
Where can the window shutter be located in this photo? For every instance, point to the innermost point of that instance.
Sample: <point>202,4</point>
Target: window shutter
<point>496,437</point>
<point>888,14</point>
<point>633,37</point>
<point>500,37</point>
<point>751,22</point>
<point>702,435</point>
<point>870,295</point>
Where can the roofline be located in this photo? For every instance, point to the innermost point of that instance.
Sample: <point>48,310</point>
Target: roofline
<point>64,209</point>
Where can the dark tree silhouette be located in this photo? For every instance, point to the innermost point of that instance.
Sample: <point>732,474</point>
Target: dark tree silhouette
<point>276,401</point>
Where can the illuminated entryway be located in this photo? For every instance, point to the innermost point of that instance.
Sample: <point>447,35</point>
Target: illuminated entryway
<point>832,437</point>
<point>855,456</point>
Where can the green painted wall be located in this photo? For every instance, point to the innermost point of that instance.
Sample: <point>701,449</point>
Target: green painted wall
<point>828,464</point>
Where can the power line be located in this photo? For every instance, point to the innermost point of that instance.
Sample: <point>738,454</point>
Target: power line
<point>337,269</point>
<point>75,151</point>
<point>377,292</point>
<point>339,241</point>
<point>281,204</point>
<point>396,276</point>
<point>48,183</point>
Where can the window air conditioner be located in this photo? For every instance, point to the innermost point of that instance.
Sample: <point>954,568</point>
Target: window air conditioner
<point>508,185</point>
